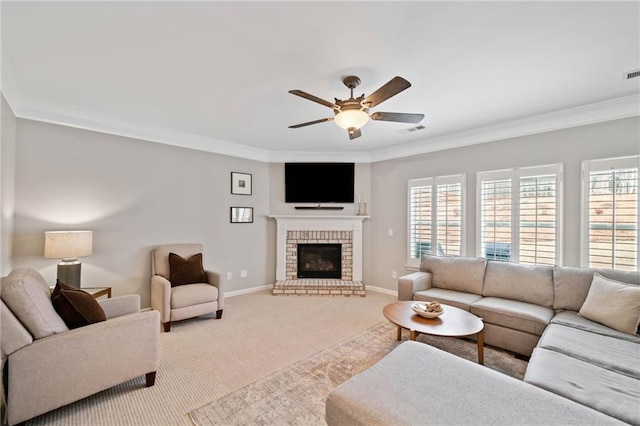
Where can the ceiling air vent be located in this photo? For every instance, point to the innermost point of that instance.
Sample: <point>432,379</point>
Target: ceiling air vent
<point>412,129</point>
<point>632,74</point>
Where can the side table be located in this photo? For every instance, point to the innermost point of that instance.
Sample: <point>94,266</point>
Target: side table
<point>97,292</point>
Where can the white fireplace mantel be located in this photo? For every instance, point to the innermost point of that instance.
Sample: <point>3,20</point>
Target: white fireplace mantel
<point>318,223</point>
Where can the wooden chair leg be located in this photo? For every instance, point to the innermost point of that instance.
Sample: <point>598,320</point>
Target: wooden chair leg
<point>150,379</point>
<point>219,313</point>
<point>166,326</point>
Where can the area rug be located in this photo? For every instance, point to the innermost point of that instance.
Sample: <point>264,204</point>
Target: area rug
<point>296,395</point>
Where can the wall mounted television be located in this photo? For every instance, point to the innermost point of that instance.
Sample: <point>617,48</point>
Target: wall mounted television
<point>319,182</point>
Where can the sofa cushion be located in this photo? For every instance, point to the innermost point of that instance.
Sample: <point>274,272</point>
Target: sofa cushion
<point>572,284</point>
<point>395,391</point>
<point>527,317</point>
<point>607,352</point>
<point>76,307</point>
<point>455,273</point>
<point>572,319</point>
<point>613,304</point>
<point>531,284</point>
<point>28,296</point>
<point>186,271</point>
<point>458,299</point>
<point>14,335</point>
<point>193,294</point>
<point>612,393</point>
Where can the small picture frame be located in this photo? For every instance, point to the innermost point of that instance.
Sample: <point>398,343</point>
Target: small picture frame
<point>241,183</point>
<point>241,214</point>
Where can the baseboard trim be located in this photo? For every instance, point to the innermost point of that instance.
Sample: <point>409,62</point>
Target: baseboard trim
<point>248,290</point>
<point>381,290</point>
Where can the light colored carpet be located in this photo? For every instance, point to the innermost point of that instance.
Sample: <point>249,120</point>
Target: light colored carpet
<point>202,360</point>
<point>296,395</point>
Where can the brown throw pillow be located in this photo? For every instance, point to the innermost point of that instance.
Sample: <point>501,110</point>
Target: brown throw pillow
<point>186,271</point>
<point>77,308</point>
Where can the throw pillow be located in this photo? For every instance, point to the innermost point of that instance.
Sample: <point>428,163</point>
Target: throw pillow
<point>77,308</point>
<point>186,271</point>
<point>612,303</point>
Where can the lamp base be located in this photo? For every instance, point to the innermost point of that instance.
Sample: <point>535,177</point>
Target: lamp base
<point>69,273</point>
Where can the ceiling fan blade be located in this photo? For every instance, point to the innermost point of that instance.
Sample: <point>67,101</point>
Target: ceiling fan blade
<point>392,88</point>
<point>312,98</point>
<point>399,117</point>
<point>309,123</point>
<point>354,133</point>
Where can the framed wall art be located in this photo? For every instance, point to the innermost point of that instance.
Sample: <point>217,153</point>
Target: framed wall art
<point>241,214</point>
<point>240,183</point>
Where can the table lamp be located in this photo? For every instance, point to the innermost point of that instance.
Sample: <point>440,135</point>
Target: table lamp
<point>68,246</point>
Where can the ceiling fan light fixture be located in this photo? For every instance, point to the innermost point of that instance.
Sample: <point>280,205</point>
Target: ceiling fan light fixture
<point>351,119</point>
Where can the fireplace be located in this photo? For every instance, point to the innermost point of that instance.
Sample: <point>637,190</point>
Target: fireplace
<point>319,261</point>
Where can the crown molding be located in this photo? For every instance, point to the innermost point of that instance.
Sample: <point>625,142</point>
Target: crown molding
<point>613,109</point>
<point>86,121</point>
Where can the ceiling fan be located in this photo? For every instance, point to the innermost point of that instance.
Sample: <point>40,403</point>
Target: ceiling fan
<point>353,113</point>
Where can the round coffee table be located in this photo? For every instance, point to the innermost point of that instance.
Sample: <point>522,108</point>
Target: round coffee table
<point>454,322</point>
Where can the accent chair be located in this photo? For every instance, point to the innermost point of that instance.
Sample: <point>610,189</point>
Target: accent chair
<point>178,302</point>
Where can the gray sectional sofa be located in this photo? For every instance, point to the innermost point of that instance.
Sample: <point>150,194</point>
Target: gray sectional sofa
<point>579,372</point>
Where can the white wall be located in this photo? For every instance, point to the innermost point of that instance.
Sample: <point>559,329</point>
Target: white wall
<point>7,186</point>
<point>135,195</point>
<point>569,146</point>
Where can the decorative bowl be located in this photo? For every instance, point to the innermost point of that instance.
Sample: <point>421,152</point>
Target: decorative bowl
<point>421,309</point>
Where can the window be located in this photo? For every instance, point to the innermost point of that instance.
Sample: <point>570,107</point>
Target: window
<point>436,216</point>
<point>610,213</point>
<point>519,215</point>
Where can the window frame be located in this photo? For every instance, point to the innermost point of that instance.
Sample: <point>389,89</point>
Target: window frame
<point>603,164</point>
<point>515,175</point>
<point>434,182</point>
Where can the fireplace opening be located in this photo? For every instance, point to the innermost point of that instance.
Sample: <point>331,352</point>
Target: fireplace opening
<point>320,261</point>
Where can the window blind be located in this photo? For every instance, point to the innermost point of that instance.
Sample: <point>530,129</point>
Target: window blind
<point>538,230</point>
<point>519,215</point>
<point>495,219</point>
<point>436,216</point>
<point>420,227</point>
<point>612,213</point>
<point>449,218</point>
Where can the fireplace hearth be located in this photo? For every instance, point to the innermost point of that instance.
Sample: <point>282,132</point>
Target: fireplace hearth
<point>345,231</point>
<point>319,261</point>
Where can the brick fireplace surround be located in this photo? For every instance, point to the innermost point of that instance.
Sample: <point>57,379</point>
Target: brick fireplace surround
<point>343,230</point>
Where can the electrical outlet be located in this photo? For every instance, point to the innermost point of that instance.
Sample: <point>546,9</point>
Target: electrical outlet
<point>229,275</point>
<point>390,232</point>
<point>394,274</point>
<point>243,273</point>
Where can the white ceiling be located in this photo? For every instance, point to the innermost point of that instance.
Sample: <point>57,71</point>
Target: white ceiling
<point>215,75</point>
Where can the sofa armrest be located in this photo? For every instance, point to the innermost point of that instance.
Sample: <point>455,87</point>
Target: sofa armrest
<point>214,279</point>
<point>65,367</point>
<point>411,283</point>
<point>120,305</point>
<point>161,297</point>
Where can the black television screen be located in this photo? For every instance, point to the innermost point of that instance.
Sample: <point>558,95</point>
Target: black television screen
<point>318,182</point>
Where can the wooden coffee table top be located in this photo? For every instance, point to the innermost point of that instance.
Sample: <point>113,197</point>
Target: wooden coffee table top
<point>454,322</point>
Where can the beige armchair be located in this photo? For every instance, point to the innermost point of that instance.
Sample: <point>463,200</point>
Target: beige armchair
<point>47,366</point>
<point>187,300</point>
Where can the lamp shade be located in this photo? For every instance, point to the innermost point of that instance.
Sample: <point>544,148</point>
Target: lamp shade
<point>351,119</point>
<point>67,244</point>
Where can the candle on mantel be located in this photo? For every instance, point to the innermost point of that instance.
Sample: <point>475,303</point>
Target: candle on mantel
<point>365,198</point>
<point>359,196</point>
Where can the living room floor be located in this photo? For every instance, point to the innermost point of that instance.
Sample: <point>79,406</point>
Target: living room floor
<point>204,359</point>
